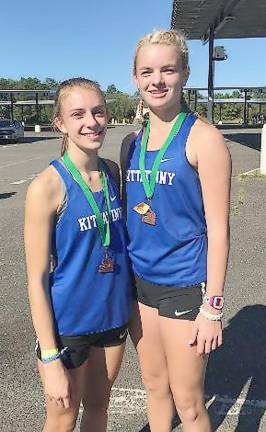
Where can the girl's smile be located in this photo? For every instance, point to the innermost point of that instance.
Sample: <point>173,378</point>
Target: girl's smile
<point>160,75</point>
<point>84,118</point>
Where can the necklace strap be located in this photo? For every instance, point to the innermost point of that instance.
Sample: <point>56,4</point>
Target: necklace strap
<point>149,186</point>
<point>103,228</point>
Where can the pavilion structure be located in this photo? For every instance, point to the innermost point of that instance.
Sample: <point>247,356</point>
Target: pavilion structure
<point>36,98</point>
<point>208,20</point>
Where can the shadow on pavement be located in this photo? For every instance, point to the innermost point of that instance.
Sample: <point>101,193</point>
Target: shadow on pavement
<point>145,429</point>
<point>240,360</point>
<point>27,140</point>
<point>37,138</point>
<point>7,195</point>
<point>247,139</point>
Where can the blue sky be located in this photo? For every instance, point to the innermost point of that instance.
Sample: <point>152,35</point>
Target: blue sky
<point>96,39</point>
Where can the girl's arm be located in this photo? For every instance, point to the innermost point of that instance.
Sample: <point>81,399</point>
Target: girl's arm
<point>40,210</point>
<point>214,168</point>
<point>42,200</point>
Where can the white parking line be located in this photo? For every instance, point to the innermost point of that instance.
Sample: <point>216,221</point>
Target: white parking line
<point>21,162</point>
<point>18,182</point>
<point>23,180</point>
<point>8,145</point>
<point>249,172</point>
<point>132,401</point>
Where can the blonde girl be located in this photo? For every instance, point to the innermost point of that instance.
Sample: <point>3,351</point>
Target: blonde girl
<point>176,173</point>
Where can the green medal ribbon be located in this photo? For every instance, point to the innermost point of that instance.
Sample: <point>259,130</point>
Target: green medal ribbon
<point>149,186</point>
<point>105,233</point>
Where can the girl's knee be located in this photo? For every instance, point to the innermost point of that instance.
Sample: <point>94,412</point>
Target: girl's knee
<point>156,384</point>
<point>189,406</point>
<point>63,423</point>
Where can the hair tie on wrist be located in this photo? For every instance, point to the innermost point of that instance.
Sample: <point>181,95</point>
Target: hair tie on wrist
<point>210,316</point>
<point>49,352</point>
<point>56,356</point>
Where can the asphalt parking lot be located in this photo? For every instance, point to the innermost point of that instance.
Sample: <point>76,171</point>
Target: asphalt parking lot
<point>236,377</point>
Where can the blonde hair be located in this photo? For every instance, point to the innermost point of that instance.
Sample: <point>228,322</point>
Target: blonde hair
<point>64,87</point>
<point>167,37</point>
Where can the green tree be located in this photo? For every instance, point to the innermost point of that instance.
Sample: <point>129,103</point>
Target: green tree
<point>111,89</point>
<point>51,83</point>
<point>123,107</point>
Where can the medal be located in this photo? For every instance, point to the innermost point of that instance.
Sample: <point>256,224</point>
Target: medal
<point>107,265</point>
<point>148,216</point>
<point>142,208</point>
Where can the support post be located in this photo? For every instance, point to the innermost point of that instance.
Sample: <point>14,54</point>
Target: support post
<point>211,76</point>
<point>245,106</point>
<point>12,106</point>
<point>37,107</point>
<point>196,100</point>
<point>263,151</point>
<point>189,98</point>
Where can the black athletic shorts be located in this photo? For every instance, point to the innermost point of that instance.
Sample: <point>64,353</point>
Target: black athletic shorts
<point>171,302</point>
<point>78,346</point>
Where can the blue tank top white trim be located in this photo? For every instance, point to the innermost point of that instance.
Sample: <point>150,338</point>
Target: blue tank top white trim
<point>174,251</point>
<point>85,301</point>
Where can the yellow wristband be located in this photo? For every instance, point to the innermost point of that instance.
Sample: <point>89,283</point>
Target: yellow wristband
<point>49,352</point>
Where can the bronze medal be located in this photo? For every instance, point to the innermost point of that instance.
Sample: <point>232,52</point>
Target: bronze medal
<point>106,266</point>
<point>147,214</point>
<point>149,217</point>
<point>142,208</point>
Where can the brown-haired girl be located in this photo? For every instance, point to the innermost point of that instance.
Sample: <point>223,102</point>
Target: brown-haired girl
<point>176,174</point>
<point>80,309</point>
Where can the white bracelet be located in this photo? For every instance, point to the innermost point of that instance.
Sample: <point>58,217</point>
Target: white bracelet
<point>210,316</point>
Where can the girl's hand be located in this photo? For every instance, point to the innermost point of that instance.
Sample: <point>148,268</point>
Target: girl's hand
<point>206,334</point>
<point>57,383</point>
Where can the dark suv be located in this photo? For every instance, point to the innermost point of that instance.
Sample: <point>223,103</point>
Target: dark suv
<point>11,130</point>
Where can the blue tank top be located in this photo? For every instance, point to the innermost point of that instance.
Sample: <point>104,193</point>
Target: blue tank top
<point>85,301</point>
<point>174,251</point>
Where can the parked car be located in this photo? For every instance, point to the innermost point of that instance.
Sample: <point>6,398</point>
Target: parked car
<point>11,130</point>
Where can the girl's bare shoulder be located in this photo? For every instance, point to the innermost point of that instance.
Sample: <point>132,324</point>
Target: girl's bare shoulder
<point>202,131</point>
<point>45,188</point>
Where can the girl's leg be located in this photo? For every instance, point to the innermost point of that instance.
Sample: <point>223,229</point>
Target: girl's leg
<point>64,419</point>
<point>186,374</point>
<point>104,365</point>
<point>145,334</point>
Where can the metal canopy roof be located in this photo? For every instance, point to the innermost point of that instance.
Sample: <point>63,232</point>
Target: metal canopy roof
<point>230,18</point>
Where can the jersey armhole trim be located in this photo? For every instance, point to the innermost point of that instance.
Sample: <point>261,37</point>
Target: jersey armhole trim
<point>185,144</point>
